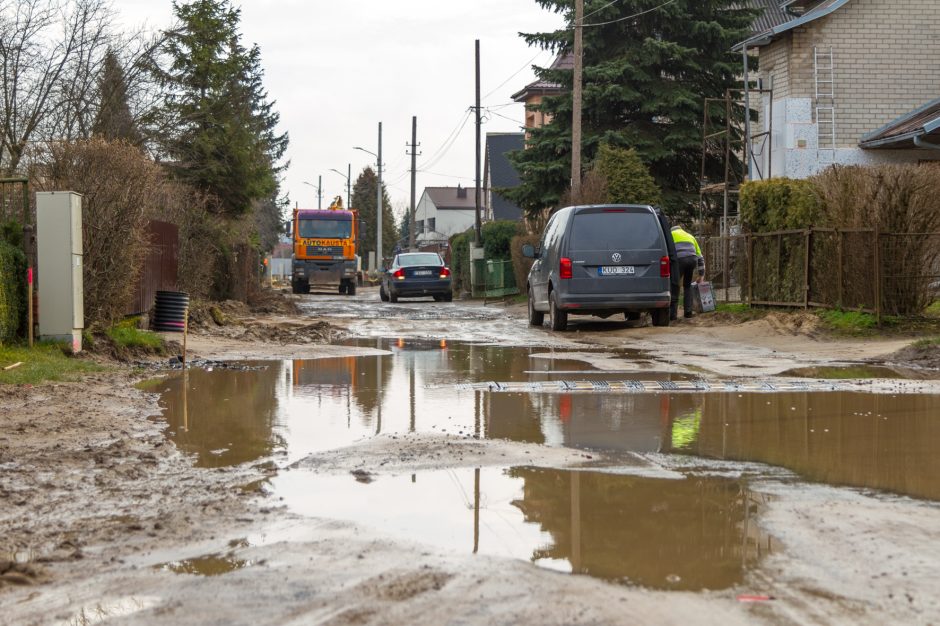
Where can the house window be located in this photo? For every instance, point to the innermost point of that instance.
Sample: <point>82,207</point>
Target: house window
<point>432,224</point>
<point>419,226</point>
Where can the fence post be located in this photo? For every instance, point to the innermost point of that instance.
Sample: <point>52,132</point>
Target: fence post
<point>750,269</point>
<point>806,273</point>
<point>841,262</point>
<point>779,277</point>
<point>876,235</point>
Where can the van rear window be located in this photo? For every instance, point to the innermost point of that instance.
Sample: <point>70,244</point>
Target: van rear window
<point>615,231</point>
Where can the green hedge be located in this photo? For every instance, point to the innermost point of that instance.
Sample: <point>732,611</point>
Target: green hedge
<point>12,291</point>
<point>460,260</point>
<point>778,204</point>
<point>497,239</point>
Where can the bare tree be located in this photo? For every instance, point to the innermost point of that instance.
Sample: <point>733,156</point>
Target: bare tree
<point>50,51</point>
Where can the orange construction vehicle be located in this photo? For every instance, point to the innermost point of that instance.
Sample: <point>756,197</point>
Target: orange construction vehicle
<point>325,246</point>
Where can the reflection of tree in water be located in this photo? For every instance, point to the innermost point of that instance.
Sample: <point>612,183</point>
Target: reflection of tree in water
<point>859,439</point>
<point>228,410</point>
<point>643,529</point>
<point>512,416</point>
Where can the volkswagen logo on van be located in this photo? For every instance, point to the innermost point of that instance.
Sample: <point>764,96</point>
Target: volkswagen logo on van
<point>615,257</point>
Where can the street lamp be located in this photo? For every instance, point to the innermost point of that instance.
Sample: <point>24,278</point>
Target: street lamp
<point>348,178</point>
<point>378,196</point>
<point>319,188</point>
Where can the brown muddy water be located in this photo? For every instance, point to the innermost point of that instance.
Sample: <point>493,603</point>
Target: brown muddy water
<point>683,532</point>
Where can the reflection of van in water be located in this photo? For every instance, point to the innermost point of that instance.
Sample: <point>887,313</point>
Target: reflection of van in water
<point>600,260</point>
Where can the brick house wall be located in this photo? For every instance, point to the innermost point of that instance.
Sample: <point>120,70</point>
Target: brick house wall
<point>886,58</point>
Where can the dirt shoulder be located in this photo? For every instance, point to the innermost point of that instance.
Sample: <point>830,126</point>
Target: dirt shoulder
<point>100,502</point>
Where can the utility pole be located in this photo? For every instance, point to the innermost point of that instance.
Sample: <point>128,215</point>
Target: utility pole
<point>477,237</point>
<point>349,186</point>
<point>577,98</point>
<point>414,159</point>
<point>378,204</point>
<point>320,192</point>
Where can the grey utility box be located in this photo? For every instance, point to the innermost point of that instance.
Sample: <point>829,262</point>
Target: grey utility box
<point>61,291</point>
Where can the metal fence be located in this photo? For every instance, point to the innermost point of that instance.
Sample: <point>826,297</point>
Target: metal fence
<point>160,268</point>
<point>493,279</point>
<point>894,274</point>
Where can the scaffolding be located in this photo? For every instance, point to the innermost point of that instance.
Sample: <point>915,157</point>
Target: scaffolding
<point>725,131</point>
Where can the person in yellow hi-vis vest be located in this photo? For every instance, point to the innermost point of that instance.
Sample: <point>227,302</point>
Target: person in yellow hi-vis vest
<point>691,268</point>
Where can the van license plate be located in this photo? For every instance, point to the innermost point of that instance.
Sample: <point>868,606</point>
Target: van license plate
<point>613,270</point>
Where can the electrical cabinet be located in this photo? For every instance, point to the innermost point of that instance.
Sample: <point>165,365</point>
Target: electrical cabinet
<point>61,290</point>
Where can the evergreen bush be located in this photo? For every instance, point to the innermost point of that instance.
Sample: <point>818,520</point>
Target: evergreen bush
<point>12,291</point>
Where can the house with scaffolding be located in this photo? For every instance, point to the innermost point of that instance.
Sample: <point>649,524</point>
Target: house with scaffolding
<point>836,79</point>
<point>851,82</point>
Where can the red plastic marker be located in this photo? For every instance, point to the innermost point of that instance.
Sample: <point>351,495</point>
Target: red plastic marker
<point>29,276</point>
<point>749,598</point>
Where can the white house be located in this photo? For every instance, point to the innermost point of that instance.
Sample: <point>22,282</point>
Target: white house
<point>444,211</point>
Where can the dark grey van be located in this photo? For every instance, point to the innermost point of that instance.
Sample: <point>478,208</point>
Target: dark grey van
<point>600,260</point>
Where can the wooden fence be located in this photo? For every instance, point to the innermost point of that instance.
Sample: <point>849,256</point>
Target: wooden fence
<point>854,269</point>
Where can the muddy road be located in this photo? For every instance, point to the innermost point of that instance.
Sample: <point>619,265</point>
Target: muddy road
<point>444,463</point>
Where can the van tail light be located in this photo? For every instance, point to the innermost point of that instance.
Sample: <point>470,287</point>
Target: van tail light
<point>664,267</point>
<point>399,274</point>
<point>445,273</point>
<point>564,268</point>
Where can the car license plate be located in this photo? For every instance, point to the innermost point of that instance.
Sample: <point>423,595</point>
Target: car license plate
<point>615,270</point>
<point>422,272</point>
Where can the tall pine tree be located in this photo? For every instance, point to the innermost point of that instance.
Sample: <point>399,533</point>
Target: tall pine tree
<point>114,119</point>
<point>216,125</point>
<point>648,68</point>
<point>363,200</point>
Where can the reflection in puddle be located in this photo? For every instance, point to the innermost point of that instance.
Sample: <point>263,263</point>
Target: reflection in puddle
<point>855,439</point>
<point>291,409</point>
<point>209,565</point>
<point>692,533</point>
<point>109,609</point>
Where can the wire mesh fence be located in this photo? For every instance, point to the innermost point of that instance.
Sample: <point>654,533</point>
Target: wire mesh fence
<point>494,279</point>
<point>895,274</point>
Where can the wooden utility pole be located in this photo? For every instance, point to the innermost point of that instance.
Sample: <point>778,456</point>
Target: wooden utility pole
<point>576,99</point>
<point>477,237</point>
<point>414,159</point>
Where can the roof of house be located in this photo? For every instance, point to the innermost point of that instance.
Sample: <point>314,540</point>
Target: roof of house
<point>501,174</point>
<point>921,123</point>
<point>816,12</point>
<point>447,198</point>
<point>772,14</point>
<point>564,61</point>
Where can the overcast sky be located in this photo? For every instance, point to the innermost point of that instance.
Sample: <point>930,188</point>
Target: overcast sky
<point>338,68</point>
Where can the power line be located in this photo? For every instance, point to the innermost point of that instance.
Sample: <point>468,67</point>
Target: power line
<point>455,131</point>
<point>517,72</point>
<point>431,162</point>
<point>630,17</point>
<point>609,4</point>
<point>502,116</point>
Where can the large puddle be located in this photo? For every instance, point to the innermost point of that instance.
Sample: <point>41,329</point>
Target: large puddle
<point>687,533</point>
<point>684,533</point>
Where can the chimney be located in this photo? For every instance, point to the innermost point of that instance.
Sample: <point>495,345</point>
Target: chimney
<point>461,191</point>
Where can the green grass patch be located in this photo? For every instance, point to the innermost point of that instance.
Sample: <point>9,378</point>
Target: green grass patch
<point>933,310</point>
<point>732,307</point>
<point>44,362</point>
<point>850,322</point>
<point>125,334</point>
<point>930,342</point>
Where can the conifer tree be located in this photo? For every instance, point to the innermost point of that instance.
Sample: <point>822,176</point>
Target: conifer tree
<point>628,179</point>
<point>216,126</point>
<point>114,119</point>
<point>363,200</point>
<point>646,78</point>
